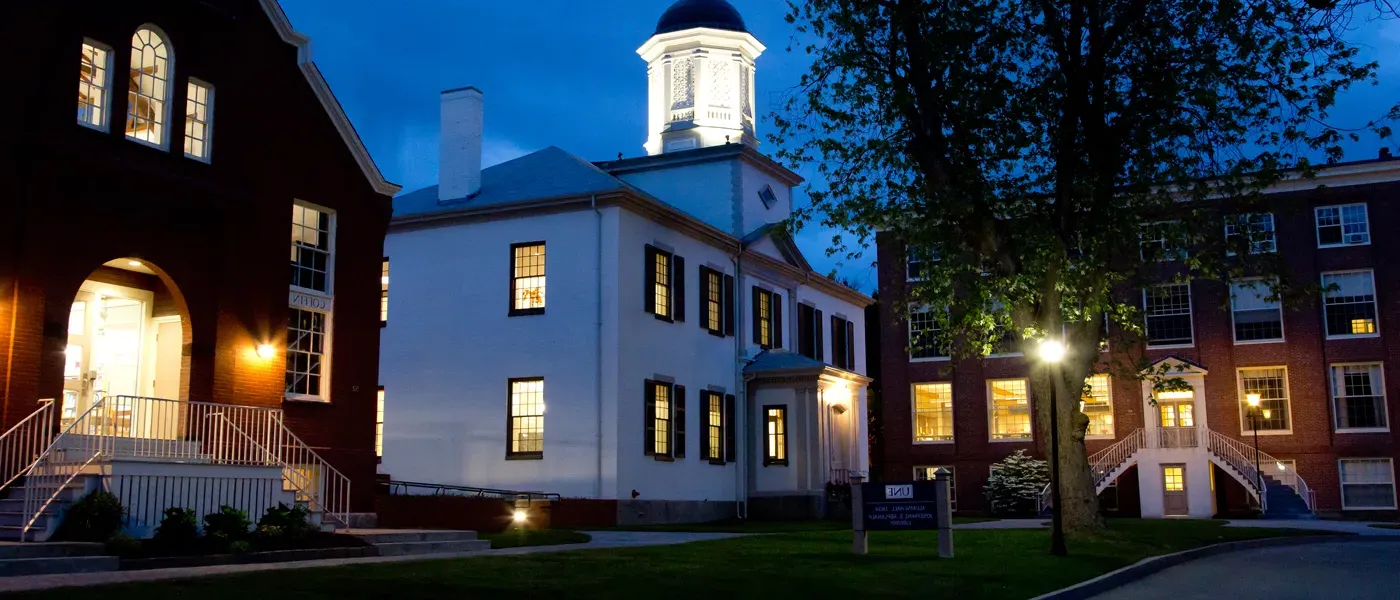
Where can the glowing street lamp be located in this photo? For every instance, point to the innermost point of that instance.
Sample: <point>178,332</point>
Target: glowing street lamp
<point>1253,399</point>
<point>1051,353</point>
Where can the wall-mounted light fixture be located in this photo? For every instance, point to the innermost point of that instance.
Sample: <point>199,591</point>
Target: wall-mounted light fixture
<point>266,351</point>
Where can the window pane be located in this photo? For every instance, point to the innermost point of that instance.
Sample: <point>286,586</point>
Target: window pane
<point>1256,317</point>
<point>1168,310</point>
<point>1097,404</point>
<point>311,248</point>
<point>528,277</point>
<point>198,120</point>
<point>1010,409</point>
<point>92,86</point>
<point>927,473</point>
<point>933,412</point>
<point>379,424</point>
<point>1367,483</point>
<point>662,418</point>
<point>923,335</point>
<point>662,297</point>
<point>1272,386</point>
<point>775,450</point>
<point>527,416</point>
<point>1358,397</point>
<point>306,331</point>
<point>148,88</point>
<point>384,291</point>
<point>714,283</point>
<point>1349,303</point>
<point>714,415</point>
<point>1256,231</point>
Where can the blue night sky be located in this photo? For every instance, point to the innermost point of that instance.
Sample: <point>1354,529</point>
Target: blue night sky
<point>565,73</point>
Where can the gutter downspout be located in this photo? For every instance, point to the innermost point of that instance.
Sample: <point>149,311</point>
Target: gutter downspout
<point>598,335</point>
<point>741,396</point>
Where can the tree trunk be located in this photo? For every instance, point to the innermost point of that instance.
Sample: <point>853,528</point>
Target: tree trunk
<point>1080,500</point>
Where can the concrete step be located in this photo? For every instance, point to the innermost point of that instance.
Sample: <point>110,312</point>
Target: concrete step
<point>49,550</point>
<point>389,536</point>
<point>63,564</point>
<point>402,548</point>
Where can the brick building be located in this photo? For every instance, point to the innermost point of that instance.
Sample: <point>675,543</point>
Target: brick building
<point>1327,377</point>
<point>142,243</point>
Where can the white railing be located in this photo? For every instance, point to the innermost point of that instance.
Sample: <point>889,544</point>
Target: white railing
<point>316,480</point>
<point>146,496</point>
<point>58,465</point>
<point>1104,462</point>
<point>22,444</point>
<point>1177,437</point>
<point>1240,457</point>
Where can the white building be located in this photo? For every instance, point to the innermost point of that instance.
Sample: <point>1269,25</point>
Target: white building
<point>692,363</point>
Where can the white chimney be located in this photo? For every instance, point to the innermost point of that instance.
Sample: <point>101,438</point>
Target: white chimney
<point>459,155</point>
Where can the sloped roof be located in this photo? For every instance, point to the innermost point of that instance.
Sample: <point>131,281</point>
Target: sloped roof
<point>783,240</point>
<point>781,360</point>
<point>548,173</point>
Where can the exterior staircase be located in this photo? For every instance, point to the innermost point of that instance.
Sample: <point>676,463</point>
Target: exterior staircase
<point>392,542</point>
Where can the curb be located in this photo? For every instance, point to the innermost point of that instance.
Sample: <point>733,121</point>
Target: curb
<point>1156,564</point>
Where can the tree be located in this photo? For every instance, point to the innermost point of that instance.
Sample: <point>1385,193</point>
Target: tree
<point>1015,484</point>
<point>1047,160</point>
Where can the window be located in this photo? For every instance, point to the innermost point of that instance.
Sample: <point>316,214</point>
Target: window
<point>1010,409</point>
<point>933,412</point>
<point>384,292</point>
<point>94,83</point>
<point>916,261</point>
<point>767,318</point>
<point>149,88</point>
<point>311,248</point>
<point>527,279</point>
<point>526,422</point>
<point>1097,404</point>
<point>664,415</point>
<point>1168,310</point>
<point>926,474</point>
<point>1344,225</point>
<point>1367,483</point>
<point>809,332</point>
<point>1349,304</point>
<point>713,441</point>
<point>1257,316</point>
<point>767,196</point>
<point>379,423</point>
<point>306,352</point>
<point>924,331</point>
<point>716,302</point>
<point>843,344</point>
<point>665,285</point>
<point>775,446</point>
<point>1358,397</point>
<point>1271,384</point>
<point>199,119</point>
<point>1162,241</point>
<point>1254,230</point>
<point>1005,339</point>
<point>1173,478</point>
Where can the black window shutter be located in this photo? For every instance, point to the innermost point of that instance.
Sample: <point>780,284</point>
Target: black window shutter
<point>703,317</point>
<point>836,347</point>
<point>777,305</point>
<point>678,422</point>
<point>818,325</point>
<point>757,317</point>
<point>649,282</point>
<point>678,288</point>
<point>728,305</point>
<point>649,418</point>
<point>730,451</point>
<point>850,345</point>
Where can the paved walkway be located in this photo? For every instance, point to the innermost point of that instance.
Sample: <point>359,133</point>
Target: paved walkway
<point>601,539</point>
<point>1336,571</point>
<point>1352,527</point>
<point>1006,524</point>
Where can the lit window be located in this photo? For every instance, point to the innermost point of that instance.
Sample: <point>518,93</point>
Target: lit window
<point>199,119</point>
<point>526,433</point>
<point>1358,397</point>
<point>384,292</point>
<point>714,427</point>
<point>712,283</point>
<point>665,419</point>
<point>933,412</point>
<point>926,474</point>
<point>1162,241</point>
<point>775,436</point>
<point>148,88</point>
<point>665,284</point>
<point>1349,303</point>
<point>1257,316</point>
<point>527,279</point>
<point>306,352</point>
<point>94,83</point>
<point>1344,225</point>
<point>1174,479</point>
<point>767,318</point>
<point>1009,408</point>
<point>1168,311</point>
<point>379,424</point>
<point>1097,404</point>
<point>1255,231</point>
<point>1367,483</point>
<point>1272,386</point>
<point>924,332</point>
<point>311,248</point>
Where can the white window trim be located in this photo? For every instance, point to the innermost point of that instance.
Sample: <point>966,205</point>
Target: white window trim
<point>1111,411</point>
<point>909,336</point>
<point>1192,314</point>
<point>991,414</point>
<point>106,125</point>
<point>1322,277</point>
<point>1240,403</point>
<point>1332,396</point>
<point>914,415</point>
<point>169,88</point>
<point>328,344</point>
<point>1283,326</point>
<point>329,294</point>
<point>1394,501</point>
<point>208,125</point>
<point>1339,207</point>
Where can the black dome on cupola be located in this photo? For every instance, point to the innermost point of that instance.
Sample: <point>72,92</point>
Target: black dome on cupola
<point>690,14</point>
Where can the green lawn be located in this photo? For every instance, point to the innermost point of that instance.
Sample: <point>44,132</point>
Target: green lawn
<point>989,564</point>
<point>535,537</point>
<point>737,526</point>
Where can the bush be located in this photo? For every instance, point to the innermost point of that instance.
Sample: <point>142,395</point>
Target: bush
<point>123,545</point>
<point>94,518</point>
<point>178,530</point>
<point>240,547</point>
<point>281,521</point>
<point>1016,484</point>
<point>226,526</point>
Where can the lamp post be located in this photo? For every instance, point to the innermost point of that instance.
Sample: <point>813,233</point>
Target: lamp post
<point>1051,352</point>
<point>1252,399</point>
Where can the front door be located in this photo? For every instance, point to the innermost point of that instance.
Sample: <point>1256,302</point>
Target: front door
<point>1177,418</point>
<point>103,356</point>
<point>1174,491</point>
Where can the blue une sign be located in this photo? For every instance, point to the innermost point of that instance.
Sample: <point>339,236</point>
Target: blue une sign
<point>899,506</point>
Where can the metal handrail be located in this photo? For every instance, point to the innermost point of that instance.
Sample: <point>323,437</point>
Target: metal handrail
<point>29,524</point>
<point>442,489</point>
<point>1244,450</point>
<point>331,487</point>
<point>1237,454</point>
<point>21,445</point>
<point>38,472</point>
<point>1103,462</point>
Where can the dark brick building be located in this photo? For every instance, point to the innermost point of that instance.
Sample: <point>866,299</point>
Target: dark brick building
<point>143,243</point>
<point>1327,376</point>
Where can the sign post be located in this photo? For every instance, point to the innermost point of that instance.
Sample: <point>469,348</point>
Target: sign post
<point>860,544</point>
<point>943,504</point>
<point>906,506</point>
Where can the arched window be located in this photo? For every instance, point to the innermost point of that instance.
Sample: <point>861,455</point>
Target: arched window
<point>147,101</point>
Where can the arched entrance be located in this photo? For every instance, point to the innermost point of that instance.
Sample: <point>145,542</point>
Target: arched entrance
<point>127,330</point>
